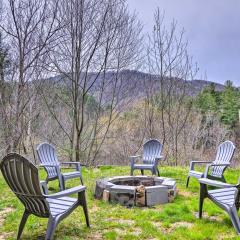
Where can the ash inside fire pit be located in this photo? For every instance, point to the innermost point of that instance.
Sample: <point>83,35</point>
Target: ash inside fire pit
<point>136,182</point>
<point>136,190</point>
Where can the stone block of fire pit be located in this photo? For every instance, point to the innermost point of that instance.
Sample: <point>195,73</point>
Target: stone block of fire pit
<point>169,183</point>
<point>125,195</point>
<point>101,185</point>
<point>172,189</point>
<point>156,195</point>
<point>159,180</point>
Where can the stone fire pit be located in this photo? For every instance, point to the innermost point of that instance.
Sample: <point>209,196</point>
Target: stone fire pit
<point>136,190</point>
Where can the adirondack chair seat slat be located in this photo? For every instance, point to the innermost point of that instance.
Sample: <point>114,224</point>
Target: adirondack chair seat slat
<point>57,209</point>
<point>214,170</point>
<point>48,158</point>
<point>143,166</point>
<point>151,155</point>
<point>196,174</point>
<point>223,196</point>
<point>67,201</point>
<point>219,200</point>
<point>226,197</point>
<point>61,204</point>
<point>220,191</point>
<point>61,207</point>
<point>23,179</point>
<point>69,175</point>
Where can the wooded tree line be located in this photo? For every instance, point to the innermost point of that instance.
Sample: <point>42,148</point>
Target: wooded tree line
<point>55,60</point>
<point>210,118</point>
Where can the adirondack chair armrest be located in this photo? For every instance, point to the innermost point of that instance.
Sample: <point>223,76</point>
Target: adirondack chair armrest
<point>77,165</point>
<point>192,163</point>
<point>44,187</point>
<point>48,165</point>
<point>158,159</point>
<point>215,183</point>
<point>66,192</point>
<point>213,165</point>
<point>133,158</point>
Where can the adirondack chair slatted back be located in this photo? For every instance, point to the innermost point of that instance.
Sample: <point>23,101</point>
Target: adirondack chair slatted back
<point>151,149</point>
<point>22,177</point>
<point>47,155</point>
<point>224,154</point>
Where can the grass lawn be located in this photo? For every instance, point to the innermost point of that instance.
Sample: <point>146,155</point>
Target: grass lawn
<point>170,221</point>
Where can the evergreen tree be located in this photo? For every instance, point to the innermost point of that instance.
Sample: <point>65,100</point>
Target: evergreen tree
<point>207,100</point>
<point>230,105</point>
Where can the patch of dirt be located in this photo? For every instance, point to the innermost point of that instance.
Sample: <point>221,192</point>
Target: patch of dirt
<point>120,231</point>
<point>185,194</point>
<point>172,227</point>
<point>95,208</point>
<point>122,221</point>
<point>181,224</point>
<point>206,216</point>
<point>4,236</point>
<point>157,224</point>
<point>95,236</point>
<point>226,236</point>
<point>4,213</point>
<point>136,231</point>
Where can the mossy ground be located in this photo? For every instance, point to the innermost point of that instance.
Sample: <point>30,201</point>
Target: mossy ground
<point>177,220</point>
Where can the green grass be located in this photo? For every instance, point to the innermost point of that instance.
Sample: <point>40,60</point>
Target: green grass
<point>175,220</point>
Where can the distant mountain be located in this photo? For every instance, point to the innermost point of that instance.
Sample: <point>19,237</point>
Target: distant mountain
<point>196,86</point>
<point>137,83</point>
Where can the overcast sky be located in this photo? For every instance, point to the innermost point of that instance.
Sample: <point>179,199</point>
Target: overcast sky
<point>212,29</point>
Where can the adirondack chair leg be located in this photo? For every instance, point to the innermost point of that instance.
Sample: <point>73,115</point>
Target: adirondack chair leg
<point>158,173</point>
<point>81,180</point>
<point>61,183</point>
<point>142,171</point>
<point>52,224</point>
<point>83,203</point>
<point>44,187</point>
<point>223,179</point>
<point>235,219</point>
<point>131,171</point>
<point>188,178</point>
<point>22,224</point>
<point>201,199</point>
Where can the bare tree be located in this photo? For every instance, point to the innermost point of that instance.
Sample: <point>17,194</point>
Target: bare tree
<point>29,26</point>
<point>98,41</point>
<point>168,59</point>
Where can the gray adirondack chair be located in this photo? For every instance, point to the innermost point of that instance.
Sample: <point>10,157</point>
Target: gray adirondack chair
<point>22,177</point>
<point>151,155</point>
<point>214,170</point>
<point>48,159</point>
<point>226,196</point>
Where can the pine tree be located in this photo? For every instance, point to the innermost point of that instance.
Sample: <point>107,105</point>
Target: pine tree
<point>230,105</point>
